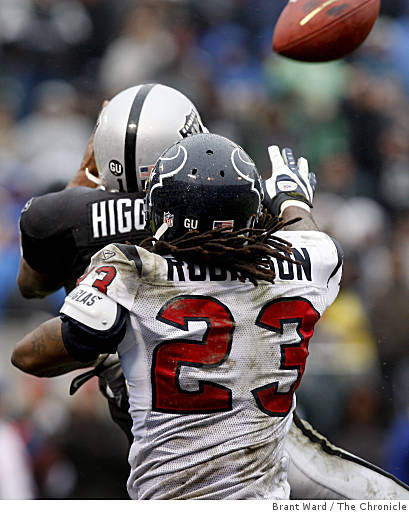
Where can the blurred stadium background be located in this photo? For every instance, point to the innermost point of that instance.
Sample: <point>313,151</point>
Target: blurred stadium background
<point>61,58</point>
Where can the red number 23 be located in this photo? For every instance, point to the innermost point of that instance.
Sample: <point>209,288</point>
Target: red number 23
<point>214,348</point>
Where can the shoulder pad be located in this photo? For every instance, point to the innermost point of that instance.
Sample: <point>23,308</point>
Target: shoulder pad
<point>91,308</point>
<point>151,267</point>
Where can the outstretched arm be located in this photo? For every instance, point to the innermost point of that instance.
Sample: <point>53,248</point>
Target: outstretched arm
<point>76,339</point>
<point>307,222</point>
<point>42,352</point>
<point>81,179</point>
<point>289,191</point>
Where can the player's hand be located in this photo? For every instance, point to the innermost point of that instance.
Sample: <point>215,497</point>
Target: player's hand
<point>113,386</point>
<point>102,365</point>
<point>291,180</point>
<point>88,165</point>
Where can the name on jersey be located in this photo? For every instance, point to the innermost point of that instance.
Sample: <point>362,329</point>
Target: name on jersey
<point>286,271</point>
<point>84,297</point>
<point>116,216</point>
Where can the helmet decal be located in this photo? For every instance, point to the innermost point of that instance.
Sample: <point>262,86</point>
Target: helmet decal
<point>168,218</point>
<point>133,180</point>
<point>181,155</point>
<point>193,124</point>
<point>190,223</point>
<point>145,171</point>
<point>116,167</point>
<point>27,205</point>
<point>243,166</point>
<point>223,224</point>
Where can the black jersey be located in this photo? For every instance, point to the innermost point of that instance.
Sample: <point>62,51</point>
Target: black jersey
<point>62,230</point>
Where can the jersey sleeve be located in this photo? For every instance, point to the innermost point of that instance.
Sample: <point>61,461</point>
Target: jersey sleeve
<point>115,271</point>
<point>325,259</point>
<point>45,234</point>
<point>92,323</point>
<point>94,313</point>
<point>328,262</point>
<point>334,278</point>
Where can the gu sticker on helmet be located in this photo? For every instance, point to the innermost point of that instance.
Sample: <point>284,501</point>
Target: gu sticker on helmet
<point>116,167</point>
<point>190,223</point>
<point>168,218</point>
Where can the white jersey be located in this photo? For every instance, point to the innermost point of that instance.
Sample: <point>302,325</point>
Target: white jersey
<point>212,365</point>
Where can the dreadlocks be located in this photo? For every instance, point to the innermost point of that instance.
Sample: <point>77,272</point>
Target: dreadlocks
<point>245,252</point>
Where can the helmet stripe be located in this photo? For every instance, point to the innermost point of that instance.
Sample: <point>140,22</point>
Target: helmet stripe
<point>133,180</point>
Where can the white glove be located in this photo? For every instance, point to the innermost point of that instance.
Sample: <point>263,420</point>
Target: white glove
<point>291,182</point>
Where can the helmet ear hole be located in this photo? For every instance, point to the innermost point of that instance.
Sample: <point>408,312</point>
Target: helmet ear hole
<point>209,152</point>
<point>222,173</point>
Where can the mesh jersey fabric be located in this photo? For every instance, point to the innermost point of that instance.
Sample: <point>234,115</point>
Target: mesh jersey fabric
<point>211,365</point>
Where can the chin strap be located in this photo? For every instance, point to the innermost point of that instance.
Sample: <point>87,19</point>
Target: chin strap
<point>161,231</point>
<point>93,178</point>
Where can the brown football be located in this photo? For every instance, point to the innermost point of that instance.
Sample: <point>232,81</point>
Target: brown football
<point>323,30</point>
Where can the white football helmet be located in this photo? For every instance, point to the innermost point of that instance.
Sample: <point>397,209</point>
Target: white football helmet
<point>135,128</point>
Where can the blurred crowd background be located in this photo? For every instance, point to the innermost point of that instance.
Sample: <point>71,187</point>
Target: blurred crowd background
<point>61,58</point>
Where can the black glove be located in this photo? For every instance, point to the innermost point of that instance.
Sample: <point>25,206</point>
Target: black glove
<point>113,386</point>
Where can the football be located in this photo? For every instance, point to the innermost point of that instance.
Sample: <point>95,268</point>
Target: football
<point>320,31</point>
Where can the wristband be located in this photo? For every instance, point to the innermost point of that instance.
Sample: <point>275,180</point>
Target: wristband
<point>293,202</point>
<point>275,206</point>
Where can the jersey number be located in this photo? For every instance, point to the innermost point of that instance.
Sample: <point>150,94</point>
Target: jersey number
<point>214,348</point>
<point>108,273</point>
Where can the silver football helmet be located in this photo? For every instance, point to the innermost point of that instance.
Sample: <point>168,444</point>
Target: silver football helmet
<point>135,128</point>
